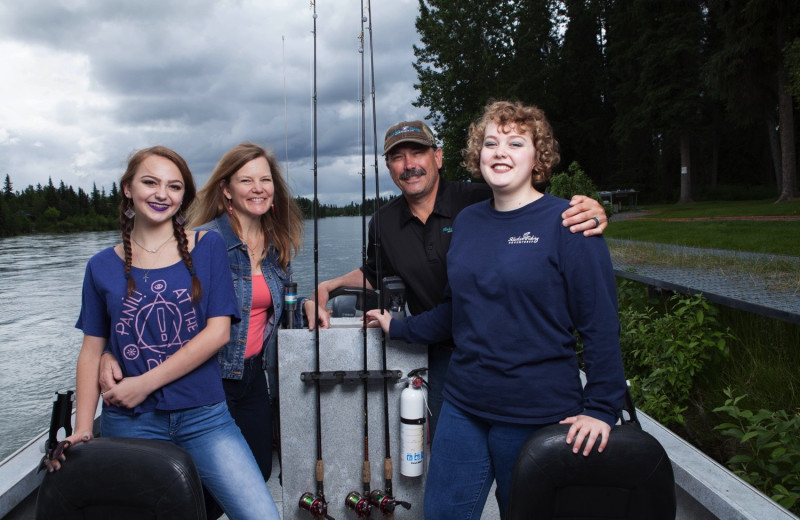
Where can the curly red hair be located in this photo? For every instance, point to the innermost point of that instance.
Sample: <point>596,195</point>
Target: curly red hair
<point>526,118</point>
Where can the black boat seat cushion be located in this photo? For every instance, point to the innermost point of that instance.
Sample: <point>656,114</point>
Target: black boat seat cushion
<point>631,479</point>
<point>120,479</point>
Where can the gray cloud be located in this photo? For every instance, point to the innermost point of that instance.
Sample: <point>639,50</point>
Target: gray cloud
<point>94,81</point>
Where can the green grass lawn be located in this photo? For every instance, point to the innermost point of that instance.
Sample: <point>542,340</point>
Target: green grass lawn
<point>757,236</point>
<point>747,208</point>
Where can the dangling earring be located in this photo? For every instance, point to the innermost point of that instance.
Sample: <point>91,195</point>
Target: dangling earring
<point>180,220</point>
<point>230,206</point>
<point>129,212</point>
<point>273,208</point>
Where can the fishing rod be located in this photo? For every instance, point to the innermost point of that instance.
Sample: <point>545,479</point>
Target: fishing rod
<point>316,503</point>
<point>290,287</point>
<point>383,499</point>
<point>355,501</point>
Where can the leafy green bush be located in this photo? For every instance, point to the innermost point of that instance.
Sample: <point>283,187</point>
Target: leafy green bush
<point>575,182</point>
<point>769,455</point>
<point>665,350</point>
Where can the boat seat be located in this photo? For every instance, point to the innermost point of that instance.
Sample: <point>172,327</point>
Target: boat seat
<point>123,479</point>
<point>631,479</point>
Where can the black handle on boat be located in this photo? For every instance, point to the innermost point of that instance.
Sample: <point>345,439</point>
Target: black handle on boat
<point>358,293</point>
<point>629,407</point>
<point>61,417</point>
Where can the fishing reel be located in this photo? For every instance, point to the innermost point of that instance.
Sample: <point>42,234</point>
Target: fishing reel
<point>386,503</point>
<point>315,504</point>
<point>393,296</point>
<point>357,502</point>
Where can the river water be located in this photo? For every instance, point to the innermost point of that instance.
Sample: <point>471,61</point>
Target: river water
<point>40,294</point>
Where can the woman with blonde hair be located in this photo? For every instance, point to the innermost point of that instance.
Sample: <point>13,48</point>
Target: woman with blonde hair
<point>247,201</point>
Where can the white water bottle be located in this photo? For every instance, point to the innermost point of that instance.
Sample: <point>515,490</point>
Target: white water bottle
<point>412,429</point>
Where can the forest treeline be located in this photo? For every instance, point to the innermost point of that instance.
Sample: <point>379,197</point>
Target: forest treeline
<point>51,209</point>
<point>680,99</point>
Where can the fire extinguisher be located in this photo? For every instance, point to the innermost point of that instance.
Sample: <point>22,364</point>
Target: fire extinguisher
<point>412,425</point>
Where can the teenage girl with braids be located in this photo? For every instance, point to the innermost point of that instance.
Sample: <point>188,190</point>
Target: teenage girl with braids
<point>247,201</point>
<point>162,303</point>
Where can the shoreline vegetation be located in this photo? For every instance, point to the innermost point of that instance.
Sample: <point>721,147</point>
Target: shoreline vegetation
<point>51,209</point>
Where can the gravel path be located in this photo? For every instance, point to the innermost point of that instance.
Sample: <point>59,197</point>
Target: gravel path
<point>746,291</point>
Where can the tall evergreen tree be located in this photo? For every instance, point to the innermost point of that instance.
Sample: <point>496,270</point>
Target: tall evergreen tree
<point>750,72</point>
<point>529,72</point>
<point>83,201</point>
<point>473,51</point>
<point>580,114</point>
<point>656,48</point>
<point>97,200</point>
<point>8,189</point>
<point>50,193</point>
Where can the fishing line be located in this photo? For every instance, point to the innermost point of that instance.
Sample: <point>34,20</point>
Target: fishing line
<point>382,499</point>
<point>290,287</point>
<point>316,504</point>
<point>360,502</point>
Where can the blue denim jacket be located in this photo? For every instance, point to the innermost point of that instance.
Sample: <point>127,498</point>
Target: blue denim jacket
<point>231,356</point>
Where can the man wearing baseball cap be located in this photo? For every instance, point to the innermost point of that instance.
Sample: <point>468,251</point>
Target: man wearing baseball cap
<point>416,229</point>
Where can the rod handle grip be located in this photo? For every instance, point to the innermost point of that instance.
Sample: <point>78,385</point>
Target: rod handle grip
<point>320,471</point>
<point>387,468</point>
<point>366,475</point>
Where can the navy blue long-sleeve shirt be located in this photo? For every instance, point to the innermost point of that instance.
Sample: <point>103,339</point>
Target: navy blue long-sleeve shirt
<point>519,285</point>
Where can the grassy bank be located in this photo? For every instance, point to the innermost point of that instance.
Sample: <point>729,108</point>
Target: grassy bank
<point>735,226</point>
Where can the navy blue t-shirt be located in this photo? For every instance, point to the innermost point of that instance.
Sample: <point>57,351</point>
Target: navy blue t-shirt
<point>520,284</point>
<point>146,328</point>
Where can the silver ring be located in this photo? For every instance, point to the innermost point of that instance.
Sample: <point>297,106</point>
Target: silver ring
<point>596,222</point>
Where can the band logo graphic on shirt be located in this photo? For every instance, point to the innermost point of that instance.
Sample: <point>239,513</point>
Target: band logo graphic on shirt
<point>155,327</point>
<point>526,238</point>
<point>447,229</point>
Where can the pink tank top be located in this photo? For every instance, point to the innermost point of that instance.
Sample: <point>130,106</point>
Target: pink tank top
<point>260,309</point>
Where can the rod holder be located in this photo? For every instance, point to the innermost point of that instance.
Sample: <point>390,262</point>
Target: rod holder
<point>351,377</point>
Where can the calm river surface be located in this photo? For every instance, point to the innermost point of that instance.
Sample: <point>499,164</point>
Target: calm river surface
<point>40,295</point>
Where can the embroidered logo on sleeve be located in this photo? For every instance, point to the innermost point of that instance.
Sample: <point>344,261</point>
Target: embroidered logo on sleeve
<point>526,238</point>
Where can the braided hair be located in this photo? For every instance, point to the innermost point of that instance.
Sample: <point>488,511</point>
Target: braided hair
<point>126,214</point>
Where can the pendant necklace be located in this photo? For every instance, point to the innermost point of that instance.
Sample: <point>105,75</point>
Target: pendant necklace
<point>251,250</point>
<point>152,251</point>
<point>146,271</point>
<point>155,258</point>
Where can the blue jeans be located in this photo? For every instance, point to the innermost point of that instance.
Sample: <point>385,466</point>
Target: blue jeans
<point>468,454</point>
<point>219,451</point>
<point>249,405</point>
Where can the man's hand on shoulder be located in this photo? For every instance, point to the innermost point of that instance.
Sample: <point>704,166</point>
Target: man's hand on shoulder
<point>585,214</point>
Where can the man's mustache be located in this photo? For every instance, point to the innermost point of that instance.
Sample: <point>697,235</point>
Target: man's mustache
<point>414,172</point>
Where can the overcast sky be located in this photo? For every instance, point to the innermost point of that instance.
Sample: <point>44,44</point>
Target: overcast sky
<point>87,82</point>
